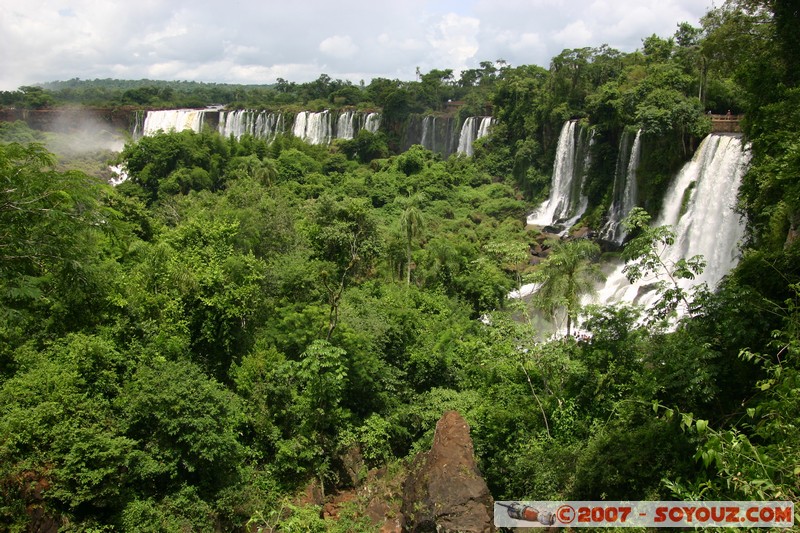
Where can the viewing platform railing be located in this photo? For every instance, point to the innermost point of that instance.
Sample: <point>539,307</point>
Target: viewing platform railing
<point>725,123</point>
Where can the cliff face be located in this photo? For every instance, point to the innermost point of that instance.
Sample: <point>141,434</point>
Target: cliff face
<point>445,491</point>
<point>440,490</point>
<point>68,119</point>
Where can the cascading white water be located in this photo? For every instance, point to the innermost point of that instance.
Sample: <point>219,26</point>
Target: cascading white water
<point>373,122</point>
<point>314,128</point>
<point>428,132</point>
<point>483,129</point>
<point>467,137</point>
<point>699,205</point>
<point>235,123</point>
<point>138,125</point>
<point>120,174</point>
<point>345,125</point>
<point>625,190</point>
<point>566,202</point>
<point>300,123</point>
<point>318,130</point>
<point>173,120</point>
<point>269,125</point>
<point>241,122</point>
<point>471,131</point>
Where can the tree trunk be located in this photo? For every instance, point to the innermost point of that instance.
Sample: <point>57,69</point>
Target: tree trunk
<point>408,263</point>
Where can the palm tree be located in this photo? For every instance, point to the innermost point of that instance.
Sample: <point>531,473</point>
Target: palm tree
<point>411,223</point>
<point>566,275</point>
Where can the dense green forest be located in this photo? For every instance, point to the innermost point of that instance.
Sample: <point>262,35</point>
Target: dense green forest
<point>190,349</point>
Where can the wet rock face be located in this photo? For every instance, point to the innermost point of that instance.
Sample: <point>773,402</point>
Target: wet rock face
<point>445,491</point>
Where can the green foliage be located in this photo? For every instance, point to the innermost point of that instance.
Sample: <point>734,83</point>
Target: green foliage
<point>295,166</point>
<point>411,224</point>
<point>19,132</point>
<point>646,255</point>
<point>628,462</point>
<point>185,428</point>
<point>757,456</point>
<point>54,242</point>
<point>169,163</point>
<point>181,511</point>
<point>59,430</point>
<point>375,439</point>
<point>365,147</point>
<point>565,276</point>
<point>186,351</point>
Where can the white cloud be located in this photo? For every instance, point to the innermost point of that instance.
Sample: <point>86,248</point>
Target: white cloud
<point>339,46</point>
<point>256,42</point>
<point>405,44</point>
<point>454,40</point>
<point>574,35</point>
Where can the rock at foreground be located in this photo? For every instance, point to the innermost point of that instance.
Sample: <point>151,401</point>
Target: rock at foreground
<point>444,491</point>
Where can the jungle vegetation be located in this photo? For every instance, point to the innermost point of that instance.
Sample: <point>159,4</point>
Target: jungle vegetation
<point>191,348</point>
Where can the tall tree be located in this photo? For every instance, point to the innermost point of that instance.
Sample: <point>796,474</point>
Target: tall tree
<point>344,234</point>
<point>567,274</point>
<point>51,227</point>
<point>411,223</point>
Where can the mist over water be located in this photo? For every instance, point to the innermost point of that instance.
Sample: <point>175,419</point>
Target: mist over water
<point>86,135</point>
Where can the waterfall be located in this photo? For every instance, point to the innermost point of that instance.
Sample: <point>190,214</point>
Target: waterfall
<point>471,131</point>
<point>483,129</point>
<point>318,129</point>
<point>241,122</point>
<point>428,133</point>
<point>699,205</point>
<point>120,175</point>
<point>269,125</point>
<point>625,190</point>
<point>566,202</point>
<point>314,128</point>
<point>345,125</point>
<point>138,125</point>
<point>300,122</point>
<point>467,137</point>
<point>173,120</point>
<point>372,122</point>
<point>439,134</point>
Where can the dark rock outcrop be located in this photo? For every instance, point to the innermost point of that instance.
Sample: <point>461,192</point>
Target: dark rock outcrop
<point>444,491</point>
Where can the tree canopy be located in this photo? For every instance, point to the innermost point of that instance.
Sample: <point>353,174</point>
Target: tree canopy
<point>241,320</point>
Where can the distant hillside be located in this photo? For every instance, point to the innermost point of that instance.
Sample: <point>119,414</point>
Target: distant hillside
<point>115,84</point>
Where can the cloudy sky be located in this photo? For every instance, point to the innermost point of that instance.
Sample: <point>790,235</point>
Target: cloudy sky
<point>258,41</point>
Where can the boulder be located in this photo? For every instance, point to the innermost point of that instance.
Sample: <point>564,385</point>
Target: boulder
<point>444,491</point>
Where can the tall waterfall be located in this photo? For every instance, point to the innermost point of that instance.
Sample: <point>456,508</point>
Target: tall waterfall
<point>438,134</point>
<point>471,131</point>
<point>260,124</point>
<point>625,189</point>
<point>345,125</point>
<point>321,128</point>
<point>173,120</point>
<point>699,205</point>
<point>314,128</point>
<point>428,135</point>
<point>372,122</point>
<point>483,129</point>
<point>566,202</point>
<point>138,124</point>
